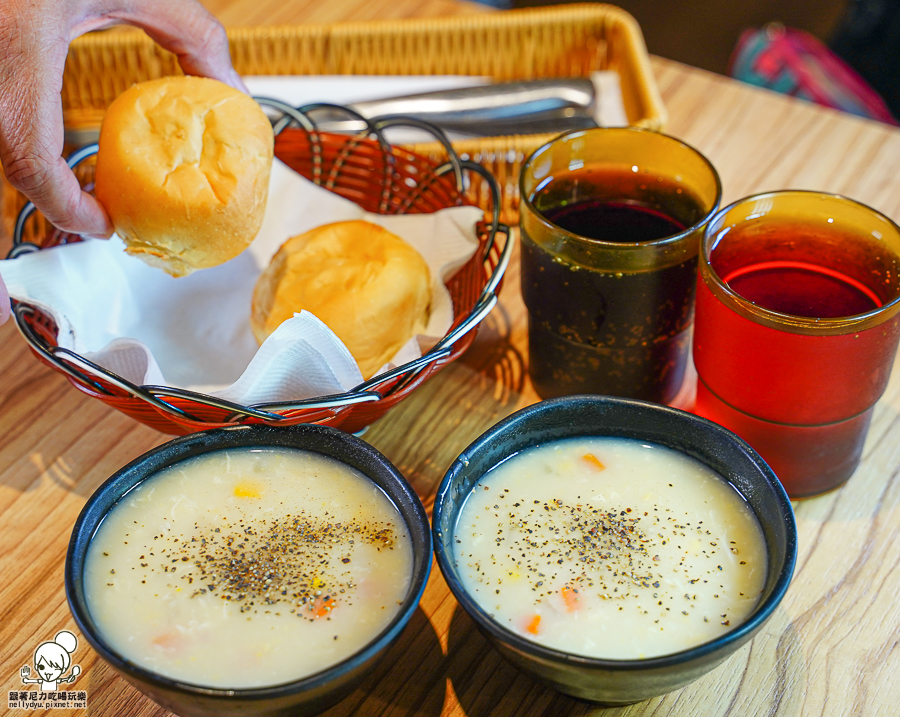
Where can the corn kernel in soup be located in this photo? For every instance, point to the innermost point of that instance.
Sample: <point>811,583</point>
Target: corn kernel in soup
<point>248,568</point>
<point>610,548</point>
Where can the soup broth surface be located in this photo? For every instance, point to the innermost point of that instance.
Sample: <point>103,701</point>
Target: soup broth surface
<point>248,568</point>
<point>610,548</point>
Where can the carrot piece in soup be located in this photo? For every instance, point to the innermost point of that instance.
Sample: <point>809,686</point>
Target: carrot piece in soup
<point>594,461</point>
<point>169,641</point>
<point>323,605</point>
<point>570,598</point>
<point>534,625</point>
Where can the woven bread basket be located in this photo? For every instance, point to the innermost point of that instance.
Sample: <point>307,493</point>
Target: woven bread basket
<point>380,178</point>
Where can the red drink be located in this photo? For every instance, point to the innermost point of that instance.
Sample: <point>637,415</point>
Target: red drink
<point>802,289</point>
<point>795,336</point>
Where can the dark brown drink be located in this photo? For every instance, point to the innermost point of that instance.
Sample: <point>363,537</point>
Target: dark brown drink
<point>593,327</point>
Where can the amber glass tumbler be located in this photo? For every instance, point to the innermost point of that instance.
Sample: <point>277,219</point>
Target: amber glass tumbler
<point>798,319</point>
<point>611,221</point>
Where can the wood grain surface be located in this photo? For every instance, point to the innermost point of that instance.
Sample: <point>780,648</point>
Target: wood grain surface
<point>833,646</point>
<point>248,13</point>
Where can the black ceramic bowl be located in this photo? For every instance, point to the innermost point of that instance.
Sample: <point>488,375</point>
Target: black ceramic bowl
<point>617,682</point>
<point>306,696</point>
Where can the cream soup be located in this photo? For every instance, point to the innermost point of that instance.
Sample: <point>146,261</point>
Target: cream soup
<point>247,568</point>
<point>610,548</point>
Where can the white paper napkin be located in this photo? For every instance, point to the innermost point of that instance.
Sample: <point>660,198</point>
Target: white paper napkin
<point>194,332</point>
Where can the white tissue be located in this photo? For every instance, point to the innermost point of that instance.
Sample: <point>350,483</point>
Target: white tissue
<point>194,332</point>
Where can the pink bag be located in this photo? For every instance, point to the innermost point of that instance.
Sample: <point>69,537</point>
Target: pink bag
<point>795,63</point>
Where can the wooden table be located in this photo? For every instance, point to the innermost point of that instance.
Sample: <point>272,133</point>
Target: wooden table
<point>247,13</point>
<point>832,648</point>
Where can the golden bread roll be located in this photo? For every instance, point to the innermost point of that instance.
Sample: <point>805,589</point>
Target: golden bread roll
<point>183,171</point>
<point>368,285</point>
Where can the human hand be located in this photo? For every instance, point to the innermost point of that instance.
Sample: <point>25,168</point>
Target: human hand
<point>25,676</point>
<point>34,41</point>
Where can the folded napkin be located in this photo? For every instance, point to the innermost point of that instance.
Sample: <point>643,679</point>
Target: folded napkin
<point>194,332</point>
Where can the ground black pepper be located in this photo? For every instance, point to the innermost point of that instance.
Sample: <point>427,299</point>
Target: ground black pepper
<point>297,561</point>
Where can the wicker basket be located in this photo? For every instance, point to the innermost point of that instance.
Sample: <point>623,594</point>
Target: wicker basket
<point>378,177</point>
<point>568,41</point>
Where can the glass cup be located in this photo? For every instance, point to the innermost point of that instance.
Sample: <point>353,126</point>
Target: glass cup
<point>798,320</point>
<point>611,221</point>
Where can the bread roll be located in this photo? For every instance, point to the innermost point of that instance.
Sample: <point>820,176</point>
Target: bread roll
<point>183,171</point>
<point>368,285</point>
